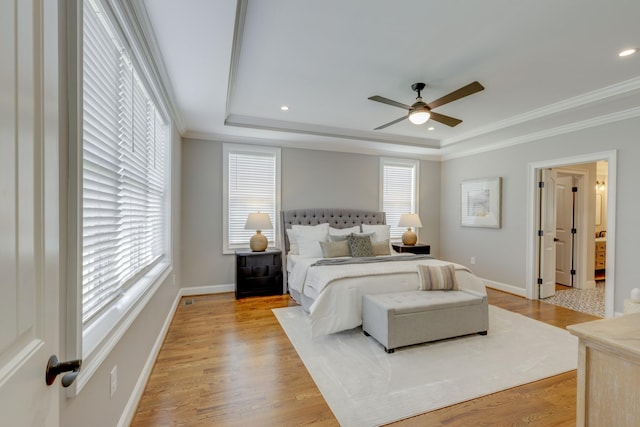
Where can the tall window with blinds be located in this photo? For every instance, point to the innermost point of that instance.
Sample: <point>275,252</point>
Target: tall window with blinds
<point>124,140</point>
<point>252,184</point>
<point>399,191</point>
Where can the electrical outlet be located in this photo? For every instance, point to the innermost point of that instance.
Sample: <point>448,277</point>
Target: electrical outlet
<point>473,260</point>
<point>113,383</point>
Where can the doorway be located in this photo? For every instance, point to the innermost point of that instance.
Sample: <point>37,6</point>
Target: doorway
<point>578,246</point>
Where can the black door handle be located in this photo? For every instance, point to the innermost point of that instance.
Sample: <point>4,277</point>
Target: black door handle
<point>555,239</point>
<point>55,368</point>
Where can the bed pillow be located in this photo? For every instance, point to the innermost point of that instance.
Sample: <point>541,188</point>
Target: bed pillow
<point>343,231</point>
<point>437,278</point>
<point>333,238</point>
<point>335,249</point>
<point>293,244</point>
<point>360,245</point>
<point>308,238</point>
<point>380,231</point>
<point>381,248</point>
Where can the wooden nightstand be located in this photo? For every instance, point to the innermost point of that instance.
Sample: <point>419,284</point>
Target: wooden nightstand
<point>418,248</point>
<point>258,273</point>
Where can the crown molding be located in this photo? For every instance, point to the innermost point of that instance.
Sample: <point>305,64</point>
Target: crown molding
<point>343,146</point>
<point>547,133</point>
<point>151,61</point>
<point>567,104</point>
<point>327,131</point>
<point>238,33</point>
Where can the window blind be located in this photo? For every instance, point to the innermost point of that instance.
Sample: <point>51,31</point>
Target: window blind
<point>123,149</point>
<point>398,193</point>
<point>251,188</point>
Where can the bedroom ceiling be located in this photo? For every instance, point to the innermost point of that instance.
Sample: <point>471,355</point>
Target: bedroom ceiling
<point>547,67</point>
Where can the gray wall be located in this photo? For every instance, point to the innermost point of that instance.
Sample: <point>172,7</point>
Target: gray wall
<point>310,179</point>
<point>501,253</point>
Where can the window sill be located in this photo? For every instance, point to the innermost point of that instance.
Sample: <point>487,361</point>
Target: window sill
<point>102,336</point>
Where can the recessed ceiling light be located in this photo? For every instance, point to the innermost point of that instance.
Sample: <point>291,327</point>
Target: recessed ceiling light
<point>628,52</point>
<point>284,108</point>
<point>431,128</point>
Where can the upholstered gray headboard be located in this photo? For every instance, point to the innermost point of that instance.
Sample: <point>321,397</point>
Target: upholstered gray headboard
<point>337,218</point>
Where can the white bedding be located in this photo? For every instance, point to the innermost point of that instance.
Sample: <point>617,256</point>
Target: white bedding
<point>337,291</point>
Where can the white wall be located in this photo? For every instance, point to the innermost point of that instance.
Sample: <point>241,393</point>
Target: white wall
<point>501,253</point>
<point>310,179</point>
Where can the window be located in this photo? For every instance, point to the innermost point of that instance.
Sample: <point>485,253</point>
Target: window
<point>399,191</point>
<point>124,141</point>
<point>251,184</point>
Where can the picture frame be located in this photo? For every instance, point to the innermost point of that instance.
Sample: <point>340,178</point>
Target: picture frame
<point>480,203</point>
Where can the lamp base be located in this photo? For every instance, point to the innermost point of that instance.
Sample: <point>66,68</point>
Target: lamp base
<point>409,238</point>
<point>258,242</point>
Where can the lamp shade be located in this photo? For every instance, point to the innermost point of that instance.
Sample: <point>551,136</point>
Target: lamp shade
<point>258,221</point>
<point>409,220</point>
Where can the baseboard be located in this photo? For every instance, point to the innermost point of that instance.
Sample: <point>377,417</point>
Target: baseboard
<point>204,290</point>
<point>132,404</point>
<point>505,288</point>
<point>134,399</point>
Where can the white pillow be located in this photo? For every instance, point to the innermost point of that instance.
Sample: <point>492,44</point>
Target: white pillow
<point>293,243</point>
<point>380,232</point>
<point>317,232</point>
<point>343,231</point>
<point>308,238</point>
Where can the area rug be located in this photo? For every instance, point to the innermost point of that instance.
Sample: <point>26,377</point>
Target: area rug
<point>590,301</point>
<point>365,386</point>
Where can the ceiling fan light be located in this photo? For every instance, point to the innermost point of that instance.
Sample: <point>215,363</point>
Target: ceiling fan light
<point>418,117</point>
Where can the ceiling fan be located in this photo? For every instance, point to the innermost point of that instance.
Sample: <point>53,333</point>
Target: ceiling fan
<point>420,111</point>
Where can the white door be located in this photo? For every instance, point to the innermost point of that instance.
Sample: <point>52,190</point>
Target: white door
<point>564,224</point>
<point>29,211</point>
<point>548,227</point>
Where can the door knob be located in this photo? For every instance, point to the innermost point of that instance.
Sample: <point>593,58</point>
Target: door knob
<point>55,368</point>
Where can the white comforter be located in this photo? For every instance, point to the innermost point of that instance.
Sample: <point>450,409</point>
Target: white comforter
<point>337,290</point>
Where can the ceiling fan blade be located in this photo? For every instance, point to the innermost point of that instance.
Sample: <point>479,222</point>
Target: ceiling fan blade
<point>391,123</point>
<point>446,120</point>
<point>389,102</point>
<point>467,90</point>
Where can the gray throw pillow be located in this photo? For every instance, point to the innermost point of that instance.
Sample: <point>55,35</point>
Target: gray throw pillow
<point>335,249</point>
<point>360,245</point>
<point>381,248</point>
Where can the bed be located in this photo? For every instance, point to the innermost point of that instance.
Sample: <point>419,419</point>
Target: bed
<point>332,294</point>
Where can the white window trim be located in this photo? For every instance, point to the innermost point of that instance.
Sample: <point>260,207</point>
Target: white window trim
<point>249,149</point>
<point>393,161</point>
<point>94,344</point>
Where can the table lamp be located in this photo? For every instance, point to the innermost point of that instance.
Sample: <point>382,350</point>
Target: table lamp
<point>258,221</point>
<point>409,237</point>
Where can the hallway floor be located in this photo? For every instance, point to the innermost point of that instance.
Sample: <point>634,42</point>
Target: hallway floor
<point>590,301</point>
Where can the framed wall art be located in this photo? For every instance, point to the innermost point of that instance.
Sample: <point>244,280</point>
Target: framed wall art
<point>480,202</point>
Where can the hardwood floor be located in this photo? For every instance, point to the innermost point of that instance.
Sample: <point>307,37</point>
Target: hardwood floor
<point>227,362</point>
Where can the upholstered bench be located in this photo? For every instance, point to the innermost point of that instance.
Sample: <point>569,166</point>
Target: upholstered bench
<point>413,317</point>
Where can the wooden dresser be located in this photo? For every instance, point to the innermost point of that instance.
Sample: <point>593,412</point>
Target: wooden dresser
<point>608,372</point>
<point>601,255</point>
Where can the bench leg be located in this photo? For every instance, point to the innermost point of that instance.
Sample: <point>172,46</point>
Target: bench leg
<point>389,350</point>
<point>366,334</point>
<point>482,333</point>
